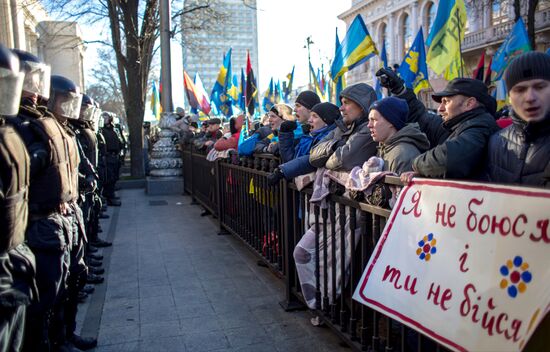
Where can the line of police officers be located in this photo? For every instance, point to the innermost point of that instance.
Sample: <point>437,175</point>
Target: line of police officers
<point>54,169</point>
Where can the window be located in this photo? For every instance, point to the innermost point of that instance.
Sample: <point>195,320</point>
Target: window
<point>407,34</point>
<point>498,13</point>
<point>429,17</point>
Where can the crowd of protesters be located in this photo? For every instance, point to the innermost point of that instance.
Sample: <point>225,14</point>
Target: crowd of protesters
<point>60,158</point>
<point>466,140</point>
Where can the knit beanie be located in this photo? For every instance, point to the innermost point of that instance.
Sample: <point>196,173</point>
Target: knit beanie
<point>308,99</point>
<point>393,109</point>
<point>328,112</point>
<point>530,65</point>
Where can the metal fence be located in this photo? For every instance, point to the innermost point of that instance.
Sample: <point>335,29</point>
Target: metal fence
<point>328,246</point>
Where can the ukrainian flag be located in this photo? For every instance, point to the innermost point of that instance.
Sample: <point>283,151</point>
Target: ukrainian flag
<point>356,48</point>
<point>413,69</point>
<point>340,81</point>
<point>446,34</point>
<point>269,97</point>
<point>288,90</point>
<point>314,79</point>
<point>219,95</point>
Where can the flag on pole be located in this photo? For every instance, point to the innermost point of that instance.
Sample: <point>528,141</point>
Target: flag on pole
<point>339,82</point>
<point>201,95</point>
<point>219,94</point>
<point>155,102</point>
<point>251,87</point>
<point>191,93</point>
<point>356,48</point>
<point>478,72</point>
<point>288,90</point>
<point>455,68</point>
<point>314,79</point>
<point>413,69</point>
<point>446,34</point>
<point>242,104</point>
<point>269,97</point>
<point>488,73</point>
<point>516,43</point>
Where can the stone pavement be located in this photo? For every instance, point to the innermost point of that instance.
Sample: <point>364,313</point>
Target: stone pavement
<point>173,284</point>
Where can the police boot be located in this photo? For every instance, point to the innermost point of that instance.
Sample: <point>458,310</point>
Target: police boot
<point>114,202</point>
<point>103,216</point>
<point>94,279</point>
<point>96,271</point>
<point>91,249</point>
<point>98,242</point>
<point>88,289</point>
<point>95,256</point>
<point>83,343</point>
<point>93,262</point>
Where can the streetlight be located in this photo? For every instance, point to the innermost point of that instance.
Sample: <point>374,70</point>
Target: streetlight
<point>309,41</point>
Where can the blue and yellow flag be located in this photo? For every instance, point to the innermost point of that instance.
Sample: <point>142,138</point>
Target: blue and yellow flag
<point>155,102</point>
<point>233,90</point>
<point>340,81</point>
<point>269,97</point>
<point>288,88</point>
<point>242,100</point>
<point>356,48</point>
<point>446,34</point>
<point>413,69</point>
<point>313,76</point>
<point>219,95</point>
<point>516,43</point>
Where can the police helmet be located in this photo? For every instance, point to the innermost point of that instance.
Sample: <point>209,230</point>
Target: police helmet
<point>37,74</point>
<point>11,81</point>
<point>65,98</point>
<point>87,108</point>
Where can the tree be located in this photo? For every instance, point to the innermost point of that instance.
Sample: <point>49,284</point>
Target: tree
<point>134,29</point>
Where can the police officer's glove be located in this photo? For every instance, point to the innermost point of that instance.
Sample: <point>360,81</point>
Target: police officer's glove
<point>274,177</point>
<point>389,79</point>
<point>288,126</point>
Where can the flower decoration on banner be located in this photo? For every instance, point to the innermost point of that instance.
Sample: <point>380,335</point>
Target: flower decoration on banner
<point>426,247</point>
<point>516,276</point>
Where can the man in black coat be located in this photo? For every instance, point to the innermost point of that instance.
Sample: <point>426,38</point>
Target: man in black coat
<point>459,137</point>
<point>520,153</point>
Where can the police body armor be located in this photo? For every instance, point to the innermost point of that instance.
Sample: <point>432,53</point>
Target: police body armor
<point>14,188</point>
<point>88,140</point>
<point>58,183</point>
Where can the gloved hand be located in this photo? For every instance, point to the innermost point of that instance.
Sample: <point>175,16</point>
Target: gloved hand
<point>288,126</point>
<point>389,79</point>
<point>274,177</point>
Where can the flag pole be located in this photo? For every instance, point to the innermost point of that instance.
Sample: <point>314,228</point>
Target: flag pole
<point>459,43</point>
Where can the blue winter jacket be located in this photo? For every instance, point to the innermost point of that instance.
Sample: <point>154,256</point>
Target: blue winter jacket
<point>300,165</point>
<point>293,144</point>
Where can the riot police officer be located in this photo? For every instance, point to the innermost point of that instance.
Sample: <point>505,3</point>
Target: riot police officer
<point>17,263</point>
<point>52,158</point>
<point>64,102</point>
<point>113,148</point>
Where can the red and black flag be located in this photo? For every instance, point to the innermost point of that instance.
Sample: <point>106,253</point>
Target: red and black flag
<point>488,73</point>
<point>478,72</point>
<point>251,87</point>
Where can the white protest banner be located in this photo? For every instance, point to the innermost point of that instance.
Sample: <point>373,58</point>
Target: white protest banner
<point>466,264</point>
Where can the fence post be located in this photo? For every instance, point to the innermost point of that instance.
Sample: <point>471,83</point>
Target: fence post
<point>193,200</point>
<point>290,303</point>
<point>219,185</point>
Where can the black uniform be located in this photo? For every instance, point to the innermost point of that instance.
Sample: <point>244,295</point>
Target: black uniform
<point>113,147</point>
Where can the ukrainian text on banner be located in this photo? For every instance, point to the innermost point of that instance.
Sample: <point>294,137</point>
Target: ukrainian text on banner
<point>466,264</point>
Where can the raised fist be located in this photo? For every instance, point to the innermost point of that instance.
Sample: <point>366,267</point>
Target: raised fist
<point>389,79</point>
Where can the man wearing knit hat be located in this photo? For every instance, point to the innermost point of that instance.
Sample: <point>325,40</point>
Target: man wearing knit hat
<point>520,153</point>
<point>322,121</point>
<point>459,137</point>
<point>400,143</point>
<point>305,101</point>
<point>350,143</point>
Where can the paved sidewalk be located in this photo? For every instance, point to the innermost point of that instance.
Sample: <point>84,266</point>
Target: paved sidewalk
<point>173,284</point>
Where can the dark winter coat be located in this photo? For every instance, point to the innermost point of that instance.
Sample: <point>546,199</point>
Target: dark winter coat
<point>399,151</point>
<point>520,154</point>
<point>291,147</point>
<point>459,146</point>
<point>348,146</point>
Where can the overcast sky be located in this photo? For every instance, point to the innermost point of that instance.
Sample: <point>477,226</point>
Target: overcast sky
<point>283,26</point>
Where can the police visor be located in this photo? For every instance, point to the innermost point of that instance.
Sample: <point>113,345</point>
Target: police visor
<point>37,78</point>
<point>10,91</point>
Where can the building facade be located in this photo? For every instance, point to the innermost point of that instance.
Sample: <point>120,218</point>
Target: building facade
<point>204,48</point>
<point>25,25</point>
<point>397,22</point>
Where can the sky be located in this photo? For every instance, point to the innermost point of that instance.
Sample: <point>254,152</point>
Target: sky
<point>283,27</point>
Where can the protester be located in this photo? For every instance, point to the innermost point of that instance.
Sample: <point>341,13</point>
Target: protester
<point>294,137</point>
<point>520,154</point>
<point>350,144</point>
<point>399,143</point>
<point>232,140</point>
<point>459,138</point>
<point>211,135</point>
<point>322,121</point>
